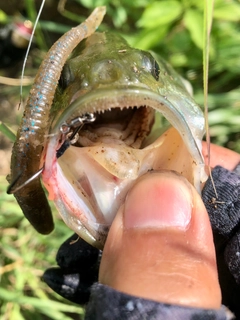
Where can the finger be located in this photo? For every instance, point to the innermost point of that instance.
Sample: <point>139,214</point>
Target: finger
<point>160,245</point>
<point>220,156</point>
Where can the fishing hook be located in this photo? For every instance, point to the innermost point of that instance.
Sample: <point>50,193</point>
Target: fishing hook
<point>76,124</point>
<point>9,189</point>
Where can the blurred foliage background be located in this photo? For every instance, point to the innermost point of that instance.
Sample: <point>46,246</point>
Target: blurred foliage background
<point>172,28</point>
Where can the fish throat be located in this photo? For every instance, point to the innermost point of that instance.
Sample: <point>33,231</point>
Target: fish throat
<point>128,126</point>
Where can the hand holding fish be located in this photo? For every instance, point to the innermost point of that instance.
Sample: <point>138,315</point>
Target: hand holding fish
<point>160,248</point>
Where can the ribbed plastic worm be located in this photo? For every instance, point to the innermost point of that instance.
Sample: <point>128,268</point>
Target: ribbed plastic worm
<point>27,150</point>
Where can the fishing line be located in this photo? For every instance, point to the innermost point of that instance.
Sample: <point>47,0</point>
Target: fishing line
<point>208,17</point>
<point>28,49</point>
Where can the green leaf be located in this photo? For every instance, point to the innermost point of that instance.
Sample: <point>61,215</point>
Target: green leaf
<point>178,59</point>
<point>149,38</point>
<point>3,17</point>
<point>119,16</point>
<point>160,13</point>
<point>193,20</point>
<point>93,3</point>
<point>54,26</point>
<point>227,11</point>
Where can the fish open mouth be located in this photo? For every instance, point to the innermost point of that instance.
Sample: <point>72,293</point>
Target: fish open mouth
<point>89,176</point>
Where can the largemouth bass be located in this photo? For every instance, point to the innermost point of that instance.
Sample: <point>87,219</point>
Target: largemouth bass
<point>98,136</point>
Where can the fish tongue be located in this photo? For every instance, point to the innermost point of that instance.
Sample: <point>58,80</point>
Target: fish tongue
<point>168,152</point>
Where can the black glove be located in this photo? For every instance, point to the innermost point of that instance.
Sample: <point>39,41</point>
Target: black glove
<point>224,214</point>
<point>79,264</point>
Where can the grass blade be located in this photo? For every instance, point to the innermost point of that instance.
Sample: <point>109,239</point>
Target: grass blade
<point>208,17</point>
<point>7,132</point>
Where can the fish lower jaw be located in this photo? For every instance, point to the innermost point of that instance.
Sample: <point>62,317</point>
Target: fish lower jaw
<point>89,184</point>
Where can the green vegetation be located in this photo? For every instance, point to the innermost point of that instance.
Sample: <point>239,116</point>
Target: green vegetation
<point>174,29</point>
<point>24,256</point>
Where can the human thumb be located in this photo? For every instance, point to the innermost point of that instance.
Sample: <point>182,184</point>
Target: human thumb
<point>160,245</point>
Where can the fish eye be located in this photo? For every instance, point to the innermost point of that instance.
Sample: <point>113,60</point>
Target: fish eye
<point>66,77</point>
<point>151,65</point>
<point>155,70</point>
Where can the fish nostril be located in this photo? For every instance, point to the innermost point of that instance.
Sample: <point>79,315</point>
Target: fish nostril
<point>107,71</point>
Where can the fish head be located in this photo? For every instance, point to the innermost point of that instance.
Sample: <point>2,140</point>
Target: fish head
<point>126,90</point>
